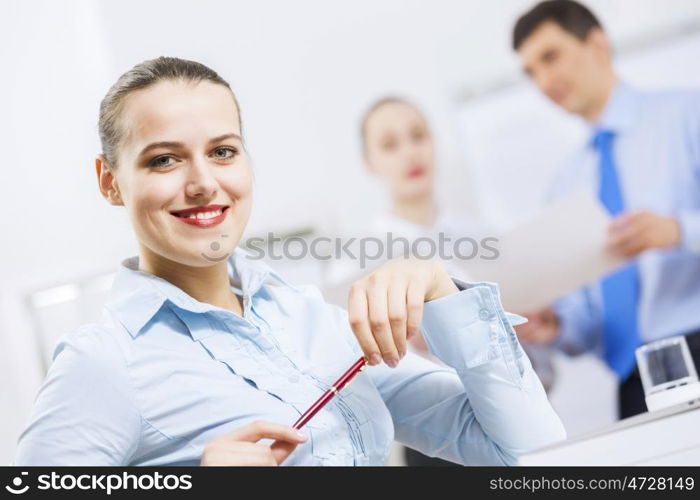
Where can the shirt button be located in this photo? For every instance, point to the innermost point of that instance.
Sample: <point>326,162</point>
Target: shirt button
<point>484,314</point>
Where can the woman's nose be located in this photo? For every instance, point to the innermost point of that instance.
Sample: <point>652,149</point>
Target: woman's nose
<point>415,151</point>
<point>201,182</point>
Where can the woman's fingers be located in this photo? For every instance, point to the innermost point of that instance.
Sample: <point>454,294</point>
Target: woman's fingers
<point>241,446</point>
<point>386,308</point>
<point>396,301</point>
<point>377,291</point>
<point>414,307</point>
<point>267,430</point>
<point>281,450</point>
<point>359,322</point>
<point>238,453</point>
<point>256,455</point>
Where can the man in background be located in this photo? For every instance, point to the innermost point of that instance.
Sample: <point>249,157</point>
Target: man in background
<point>642,160</point>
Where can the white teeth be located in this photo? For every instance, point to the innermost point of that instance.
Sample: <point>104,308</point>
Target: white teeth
<point>205,215</point>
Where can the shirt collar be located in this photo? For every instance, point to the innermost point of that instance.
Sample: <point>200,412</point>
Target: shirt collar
<point>620,111</point>
<point>137,296</point>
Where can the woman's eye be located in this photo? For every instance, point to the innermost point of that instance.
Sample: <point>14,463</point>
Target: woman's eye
<point>160,161</point>
<point>225,153</point>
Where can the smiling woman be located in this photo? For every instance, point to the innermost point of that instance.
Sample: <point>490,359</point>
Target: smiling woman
<point>176,130</point>
<point>205,356</point>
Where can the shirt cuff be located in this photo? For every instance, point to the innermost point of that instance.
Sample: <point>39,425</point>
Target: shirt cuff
<point>470,328</point>
<point>689,221</point>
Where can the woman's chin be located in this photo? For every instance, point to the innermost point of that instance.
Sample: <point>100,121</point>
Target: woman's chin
<point>200,256</point>
<point>211,258</point>
<point>417,190</point>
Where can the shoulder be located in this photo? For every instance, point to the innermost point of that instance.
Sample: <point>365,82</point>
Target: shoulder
<point>676,113</point>
<point>85,411</point>
<point>683,103</point>
<point>92,350</point>
<point>677,97</point>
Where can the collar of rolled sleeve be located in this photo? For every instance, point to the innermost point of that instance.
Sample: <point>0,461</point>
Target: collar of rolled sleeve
<point>514,319</point>
<point>136,296</point>
<point>482,318</point>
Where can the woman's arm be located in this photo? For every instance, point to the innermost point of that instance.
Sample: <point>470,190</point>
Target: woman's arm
<point>490,406</point>
<point>84,413</point>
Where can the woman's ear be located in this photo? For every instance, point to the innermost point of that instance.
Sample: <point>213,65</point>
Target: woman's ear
<point>106,181</point>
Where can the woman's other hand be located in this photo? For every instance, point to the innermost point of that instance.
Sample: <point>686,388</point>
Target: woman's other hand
<point>241,447</point>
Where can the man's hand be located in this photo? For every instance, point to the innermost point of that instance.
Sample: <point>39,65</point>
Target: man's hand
<point>542,327</point>
<point>634,232</point>
<point>386,307</point>
<point>241,447</point>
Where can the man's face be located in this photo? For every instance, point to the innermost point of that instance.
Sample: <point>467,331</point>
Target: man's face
<point>566,69</point>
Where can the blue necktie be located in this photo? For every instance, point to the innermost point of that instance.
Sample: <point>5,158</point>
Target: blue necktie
<point>620,289</point>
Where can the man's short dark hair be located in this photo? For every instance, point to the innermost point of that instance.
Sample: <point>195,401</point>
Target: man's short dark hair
<point>571,16</point>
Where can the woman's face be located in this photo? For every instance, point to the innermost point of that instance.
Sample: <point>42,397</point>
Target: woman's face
<point>182,150</point>
<point>399,148</point>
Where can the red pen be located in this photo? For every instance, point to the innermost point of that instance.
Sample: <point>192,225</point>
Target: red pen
<point>344,379</point>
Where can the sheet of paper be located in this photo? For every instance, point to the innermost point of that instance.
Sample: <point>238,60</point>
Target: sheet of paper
<point>556,251</point>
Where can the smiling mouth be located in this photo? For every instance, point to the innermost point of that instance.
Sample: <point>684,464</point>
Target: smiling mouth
<point>202,217</point>
<point>200,213</point>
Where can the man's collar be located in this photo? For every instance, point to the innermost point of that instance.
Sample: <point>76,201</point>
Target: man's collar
<point>620,112</point>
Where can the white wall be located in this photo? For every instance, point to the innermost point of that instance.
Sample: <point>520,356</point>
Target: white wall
<point>303,71</point>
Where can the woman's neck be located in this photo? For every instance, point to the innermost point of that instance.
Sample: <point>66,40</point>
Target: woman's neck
<point>209,284</point>
<point>421,210</point>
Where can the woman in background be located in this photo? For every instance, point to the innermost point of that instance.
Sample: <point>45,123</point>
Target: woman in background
<point>398,148</point>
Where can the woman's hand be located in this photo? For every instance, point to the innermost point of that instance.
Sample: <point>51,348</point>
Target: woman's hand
<point>241,447</point>
<point>385,308</point>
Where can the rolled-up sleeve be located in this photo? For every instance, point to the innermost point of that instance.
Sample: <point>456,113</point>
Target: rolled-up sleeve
<point>84,413</point>
<point>488,406</point>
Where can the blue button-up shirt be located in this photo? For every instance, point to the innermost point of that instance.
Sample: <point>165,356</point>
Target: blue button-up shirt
<point>657,157</point>
<point>163,374</point>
